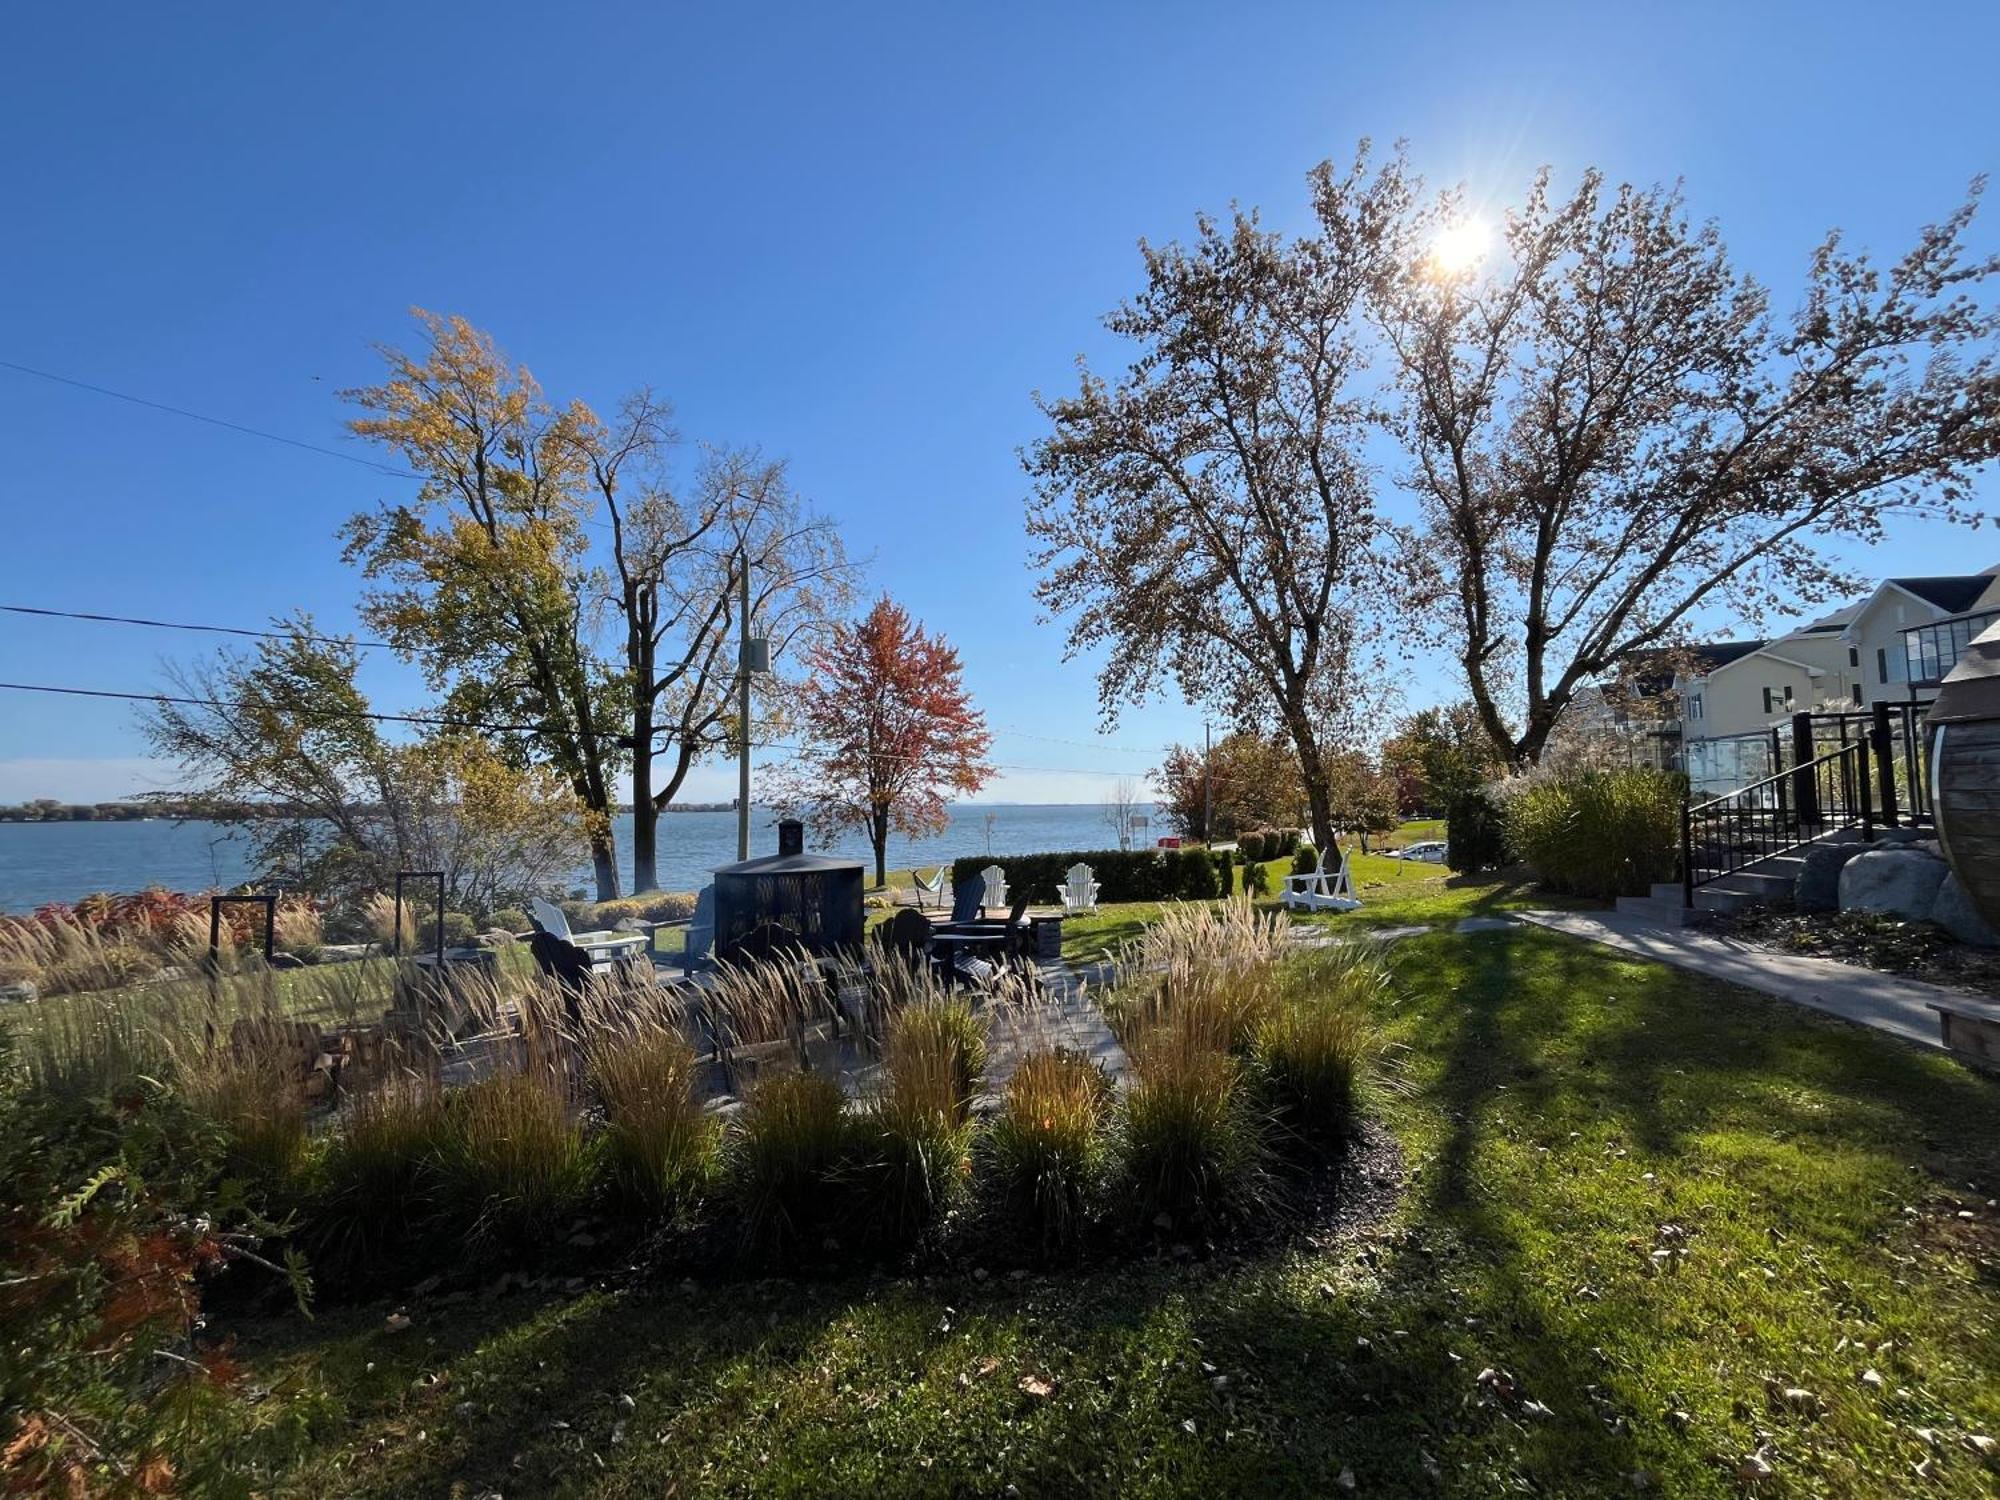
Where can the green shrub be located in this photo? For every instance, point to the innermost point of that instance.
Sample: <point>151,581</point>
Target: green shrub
<point>510,919</point>
<point>1476,833</point>
<point>1047,1147</point>
<point>786,1160</point>
<point>1601,834</point>
<point>1225,872</point>
<point>1250,846</point>
<point>1305,860</point>
<point>660,1148</point>
<point>511,1166</point>
<point>459,929</point>
<point>1257,879</point>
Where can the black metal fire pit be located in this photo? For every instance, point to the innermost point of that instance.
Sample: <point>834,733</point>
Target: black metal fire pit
<point>816,901</point>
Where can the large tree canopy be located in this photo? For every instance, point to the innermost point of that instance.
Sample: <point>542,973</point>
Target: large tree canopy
<point>1609,428</point>
<point>892,735</point>
<point>278,743</point>
<point>1208,519</point>
<point>483,577</point>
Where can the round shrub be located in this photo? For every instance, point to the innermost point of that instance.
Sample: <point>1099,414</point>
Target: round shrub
<point>1476,836</point>
<point>1600,834</point>
<point>1305,860</point>
<point>510,919</point>
<point>459,929</point>
<point>1250,846</point>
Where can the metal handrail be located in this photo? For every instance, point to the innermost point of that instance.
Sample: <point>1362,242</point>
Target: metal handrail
<point>1795,807</point>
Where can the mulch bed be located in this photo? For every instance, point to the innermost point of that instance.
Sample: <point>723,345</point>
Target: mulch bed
<point>1891,945</point>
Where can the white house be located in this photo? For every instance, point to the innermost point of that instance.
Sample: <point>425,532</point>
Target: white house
<point>1890,638</point>
<point>1894,645</point>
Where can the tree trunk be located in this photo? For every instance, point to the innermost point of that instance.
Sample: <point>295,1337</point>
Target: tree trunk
<point>604,859</point>
<point>1312,772</point>
<point>645,813</point>
<point>878,833</point>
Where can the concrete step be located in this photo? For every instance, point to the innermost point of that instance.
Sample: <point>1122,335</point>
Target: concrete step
<point>1661,912</point>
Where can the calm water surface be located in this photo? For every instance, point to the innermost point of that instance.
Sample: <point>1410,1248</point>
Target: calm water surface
<point>41,862</point>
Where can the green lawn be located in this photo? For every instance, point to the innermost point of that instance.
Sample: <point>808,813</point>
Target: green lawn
<point>1656,1204</point>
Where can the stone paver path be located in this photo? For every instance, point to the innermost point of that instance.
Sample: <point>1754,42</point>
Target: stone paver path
<point>1887,1002</point>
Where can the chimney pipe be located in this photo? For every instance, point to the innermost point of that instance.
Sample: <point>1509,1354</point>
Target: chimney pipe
<point>791,837</point>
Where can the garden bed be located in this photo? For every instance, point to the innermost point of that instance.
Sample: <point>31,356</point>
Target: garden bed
<point>1873,940</point>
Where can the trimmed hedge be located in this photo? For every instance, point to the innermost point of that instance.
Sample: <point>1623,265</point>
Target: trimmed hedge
<point>1122,874</point>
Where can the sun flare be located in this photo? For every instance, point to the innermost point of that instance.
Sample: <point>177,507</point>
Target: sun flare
<point>1460,247</point>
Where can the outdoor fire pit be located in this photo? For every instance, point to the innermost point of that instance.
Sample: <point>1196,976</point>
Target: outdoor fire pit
<point>813,900</point>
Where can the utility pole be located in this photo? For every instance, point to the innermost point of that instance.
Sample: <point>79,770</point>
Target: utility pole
<point>1207,786</point>
<point>743,717</point>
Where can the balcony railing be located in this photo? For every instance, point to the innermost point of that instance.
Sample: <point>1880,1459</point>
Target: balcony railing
<point>1931,651</point>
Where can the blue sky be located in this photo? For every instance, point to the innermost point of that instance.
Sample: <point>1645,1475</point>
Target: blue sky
<point>860,236</point>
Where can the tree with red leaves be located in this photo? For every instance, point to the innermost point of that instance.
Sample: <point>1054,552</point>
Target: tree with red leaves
<point>891,733</point>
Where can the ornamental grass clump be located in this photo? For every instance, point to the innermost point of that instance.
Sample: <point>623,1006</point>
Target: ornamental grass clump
<point>1047,1149</point>
<point>1210,971</point>
<point>660,1149</point>
<point>510,1166</point>
<point>786,1161</point>
<point>1313,1050</point>
<point>914,1139</point>
<point>254,1090</point>
<point>1190,1148</point>
<point>377,1173</point>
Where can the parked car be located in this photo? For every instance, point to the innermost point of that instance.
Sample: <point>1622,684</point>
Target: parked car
<point>1431,851</point>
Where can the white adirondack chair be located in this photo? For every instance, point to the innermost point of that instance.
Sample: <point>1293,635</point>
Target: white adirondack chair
<point>934,887</point>
<point>1322,890</point>
<point>996,887</point>
<point>1079,892</point>
<point>550,918</point>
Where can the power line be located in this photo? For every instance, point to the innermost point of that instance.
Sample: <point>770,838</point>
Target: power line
<point>246,430</point>
<point>195,416</point>
<point>450,723</point>
<point>238,703</point>
<point>285,635</point>
<point>268,635</point>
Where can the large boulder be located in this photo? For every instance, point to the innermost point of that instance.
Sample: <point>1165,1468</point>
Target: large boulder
<point>1818,885</point>
<point>1903,882</point>
<point>1954,912</point>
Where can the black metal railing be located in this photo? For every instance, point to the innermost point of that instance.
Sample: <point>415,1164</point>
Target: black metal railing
<point>1815,797</point>
<point>1894,733</point>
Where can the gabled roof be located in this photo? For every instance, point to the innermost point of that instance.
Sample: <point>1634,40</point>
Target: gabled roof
<point>1953,593</point>
<point>1721,653</point>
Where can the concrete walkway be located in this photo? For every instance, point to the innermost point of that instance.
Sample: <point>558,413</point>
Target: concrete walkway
<point>1886,1002</point>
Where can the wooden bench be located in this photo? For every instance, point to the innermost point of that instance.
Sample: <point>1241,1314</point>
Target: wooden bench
<point>1970,1034</point>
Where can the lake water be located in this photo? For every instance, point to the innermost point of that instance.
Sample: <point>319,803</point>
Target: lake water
<point>41,862</point>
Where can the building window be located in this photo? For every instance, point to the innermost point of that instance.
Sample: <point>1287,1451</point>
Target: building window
<point>1857,695</point>
<point>1881,664</point>
<point>1854,656</point>
<point>1767,701</point>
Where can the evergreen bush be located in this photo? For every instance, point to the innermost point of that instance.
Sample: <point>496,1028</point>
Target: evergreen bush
<point>1601,834</point>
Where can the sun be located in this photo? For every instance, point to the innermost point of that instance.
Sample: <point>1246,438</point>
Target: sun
<point>1460,247</point>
